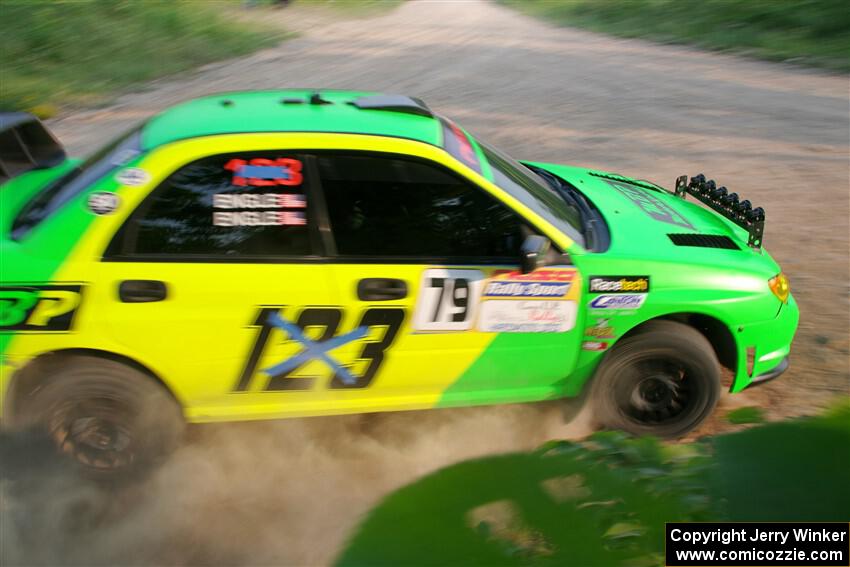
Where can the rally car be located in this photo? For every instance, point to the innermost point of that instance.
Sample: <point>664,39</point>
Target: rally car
<point>297,253</point>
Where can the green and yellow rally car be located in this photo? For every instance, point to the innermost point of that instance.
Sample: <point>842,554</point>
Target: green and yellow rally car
<point>296,253</point>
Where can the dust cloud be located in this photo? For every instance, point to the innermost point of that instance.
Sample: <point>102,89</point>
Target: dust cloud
<point>286,492</point>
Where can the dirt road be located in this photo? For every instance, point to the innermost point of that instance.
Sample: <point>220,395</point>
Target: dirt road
<point>288,493</point>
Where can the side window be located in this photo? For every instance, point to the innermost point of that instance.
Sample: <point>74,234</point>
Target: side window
<point>252,204</point>
<point>387,206</point>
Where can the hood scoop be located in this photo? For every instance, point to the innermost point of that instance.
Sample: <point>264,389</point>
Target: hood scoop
<point>704,241</point>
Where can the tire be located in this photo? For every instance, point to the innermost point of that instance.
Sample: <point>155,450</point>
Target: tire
<point>113,420</point>
<point>663,381</point>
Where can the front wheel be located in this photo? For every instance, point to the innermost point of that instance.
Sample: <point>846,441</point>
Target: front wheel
<point>664,381</point>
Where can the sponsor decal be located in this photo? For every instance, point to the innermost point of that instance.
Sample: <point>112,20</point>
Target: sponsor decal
<point>102,203</point>
<point>507,316</point>
<point>594,345</point>
<point>651,205</point>
<point>38,308</point>
<point>630,301</point>
<point>132,177</point>
<point>601,330</point>
<point>259,218</point>
<point>619,284</point>
<point>540,275</point>
<point>262,172</point>
<point>526,289</point>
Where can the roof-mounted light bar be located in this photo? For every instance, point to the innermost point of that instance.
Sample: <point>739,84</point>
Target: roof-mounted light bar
<point>727,204</point>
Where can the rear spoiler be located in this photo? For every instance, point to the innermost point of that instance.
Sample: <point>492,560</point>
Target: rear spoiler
<point>26,144</point>
<point>727,204</point>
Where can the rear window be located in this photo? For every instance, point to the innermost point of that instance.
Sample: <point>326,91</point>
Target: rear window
<point>61,191</point>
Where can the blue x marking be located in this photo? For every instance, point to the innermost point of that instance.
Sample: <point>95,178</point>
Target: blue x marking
<point>263,172</point>
<point>314,350</point>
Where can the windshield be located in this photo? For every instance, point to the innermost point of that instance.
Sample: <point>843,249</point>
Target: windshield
<point>62,190</point>
<point>533,192</point>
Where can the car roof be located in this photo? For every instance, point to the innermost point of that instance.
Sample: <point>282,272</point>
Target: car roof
<point>301,110</point>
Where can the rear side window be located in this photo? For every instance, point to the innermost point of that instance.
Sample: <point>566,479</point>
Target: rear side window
<point>223,207</point>
<point>382,206</point>
<point>61,191</point>
<point>458,144</point>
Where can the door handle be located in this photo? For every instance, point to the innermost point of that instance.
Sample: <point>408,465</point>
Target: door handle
<point>381,289</point>
<point>142,291</point>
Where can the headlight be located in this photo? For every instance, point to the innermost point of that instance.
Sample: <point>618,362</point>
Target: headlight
<point>780,287</point>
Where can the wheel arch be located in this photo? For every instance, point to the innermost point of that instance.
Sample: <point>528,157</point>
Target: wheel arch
<point>26,379</point>
<point>716,332</point>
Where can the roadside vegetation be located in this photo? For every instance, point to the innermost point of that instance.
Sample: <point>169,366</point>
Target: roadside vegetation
<point>604,501</point>
<point>808,32</point>
<point>58,53</point>
<point>345,7</point>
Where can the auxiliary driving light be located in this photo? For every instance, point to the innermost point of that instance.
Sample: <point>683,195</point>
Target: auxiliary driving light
<point>730,201</point>
<point>756,215</point>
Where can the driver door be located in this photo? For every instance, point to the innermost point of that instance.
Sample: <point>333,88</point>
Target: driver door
<point>475,330</point>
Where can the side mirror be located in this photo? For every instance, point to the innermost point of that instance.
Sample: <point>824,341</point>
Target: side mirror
<point>533,252</point>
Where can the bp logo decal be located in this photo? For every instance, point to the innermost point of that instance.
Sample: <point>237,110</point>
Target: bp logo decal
<point>38,308</point>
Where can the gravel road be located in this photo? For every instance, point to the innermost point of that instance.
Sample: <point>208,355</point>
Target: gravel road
<point>289,492</point>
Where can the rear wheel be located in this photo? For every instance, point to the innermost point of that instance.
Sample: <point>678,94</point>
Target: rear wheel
<point>664,381</point>
<point>110,418</point>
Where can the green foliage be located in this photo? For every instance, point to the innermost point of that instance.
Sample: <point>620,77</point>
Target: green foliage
<point>604,501</point>
<point>601,502</point>
<point>346,7</point>
<point>749,414</point>
<point>791,471</point>
<point>60,52</point>
<point>814,32</point>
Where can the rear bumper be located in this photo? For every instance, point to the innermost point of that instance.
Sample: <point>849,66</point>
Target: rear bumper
<point>769,375</point>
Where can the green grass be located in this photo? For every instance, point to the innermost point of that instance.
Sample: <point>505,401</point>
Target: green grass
<point>749,414</point>
<point>79,52</point>
<point>810,32</point>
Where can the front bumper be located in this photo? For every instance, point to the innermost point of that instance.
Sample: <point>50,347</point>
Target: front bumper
<point>770,374</point>
<point>769,342</point>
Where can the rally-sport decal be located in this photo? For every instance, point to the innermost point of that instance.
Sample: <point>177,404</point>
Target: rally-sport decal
<point>542,301</point>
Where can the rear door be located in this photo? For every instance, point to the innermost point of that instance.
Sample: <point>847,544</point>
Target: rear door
<point>217,282</point>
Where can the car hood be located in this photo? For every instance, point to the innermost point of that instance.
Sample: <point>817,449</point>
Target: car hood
<point>652,222</point>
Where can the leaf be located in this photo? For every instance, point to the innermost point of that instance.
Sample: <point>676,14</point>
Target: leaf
<point>623,530</point>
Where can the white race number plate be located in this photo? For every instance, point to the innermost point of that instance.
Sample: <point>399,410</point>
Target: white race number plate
<point>448,299</point>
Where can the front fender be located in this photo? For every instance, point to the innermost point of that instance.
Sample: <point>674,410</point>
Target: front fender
<point>754,319</point>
